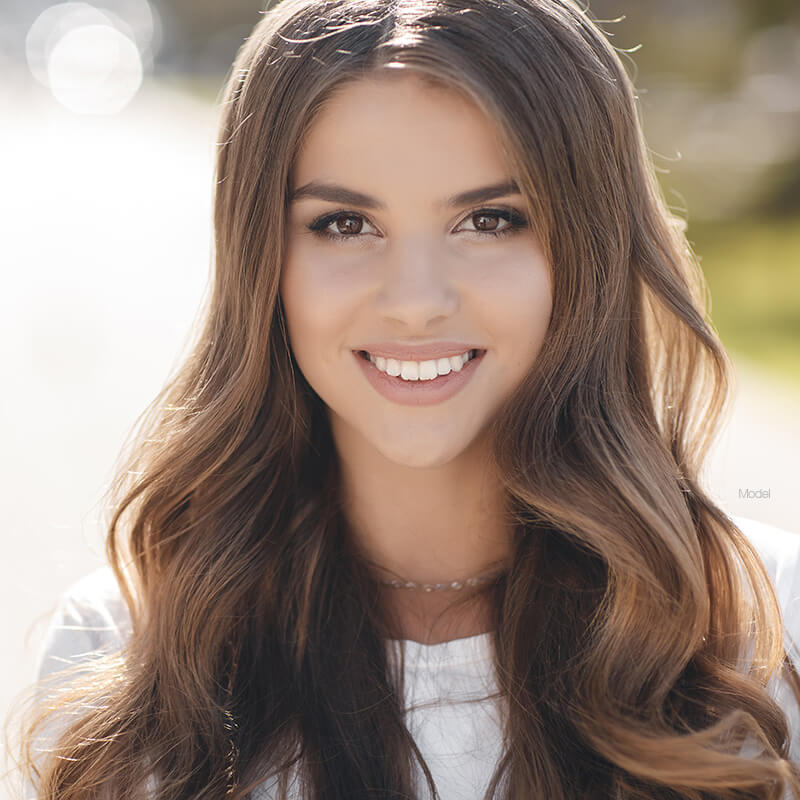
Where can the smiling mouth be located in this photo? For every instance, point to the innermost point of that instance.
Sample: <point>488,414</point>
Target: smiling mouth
<point>472,354</point>
<point>415,378</point>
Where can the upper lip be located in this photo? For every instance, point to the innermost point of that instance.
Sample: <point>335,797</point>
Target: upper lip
<point>418,352</point>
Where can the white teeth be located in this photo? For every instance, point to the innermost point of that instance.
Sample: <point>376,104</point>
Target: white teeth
<point>456,362</point>
<point>409,370</point>
<point>420,370</point>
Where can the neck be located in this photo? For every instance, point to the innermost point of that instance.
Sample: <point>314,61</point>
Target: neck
<point>427,525</point>
<point>432,618</point>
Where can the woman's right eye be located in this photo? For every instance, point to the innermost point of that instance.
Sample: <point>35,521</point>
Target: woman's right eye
<point>351,229</point>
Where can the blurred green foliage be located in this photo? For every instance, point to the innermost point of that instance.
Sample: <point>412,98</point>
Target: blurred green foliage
<point>753,272</point>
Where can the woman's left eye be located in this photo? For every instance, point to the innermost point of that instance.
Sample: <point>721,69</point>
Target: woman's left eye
<point>483,218</point>
<point>515,221</point>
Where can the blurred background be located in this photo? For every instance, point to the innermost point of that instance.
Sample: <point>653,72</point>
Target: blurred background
<point>108,127</point>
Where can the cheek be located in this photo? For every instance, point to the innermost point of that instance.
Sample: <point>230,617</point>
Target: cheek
<point>519,301</point>
<point>318,301</point>
<point>298,306</point>
<point>311,275</point>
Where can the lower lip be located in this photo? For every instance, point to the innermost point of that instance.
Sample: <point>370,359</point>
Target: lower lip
<point>419,393</point>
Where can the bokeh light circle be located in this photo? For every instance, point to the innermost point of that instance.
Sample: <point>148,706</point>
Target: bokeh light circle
<point>94,69</point>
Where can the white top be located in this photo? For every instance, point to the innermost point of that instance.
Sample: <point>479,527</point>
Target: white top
<point>460,741</point>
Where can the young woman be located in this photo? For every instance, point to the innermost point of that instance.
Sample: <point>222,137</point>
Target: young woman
<point>421,513</point>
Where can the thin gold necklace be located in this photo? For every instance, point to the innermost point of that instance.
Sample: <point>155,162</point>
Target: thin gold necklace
<point>434,587</point>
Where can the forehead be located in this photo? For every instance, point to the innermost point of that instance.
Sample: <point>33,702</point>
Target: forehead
<point>396,123</point>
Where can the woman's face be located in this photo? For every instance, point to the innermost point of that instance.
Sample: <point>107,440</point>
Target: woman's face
<point>409,268</point>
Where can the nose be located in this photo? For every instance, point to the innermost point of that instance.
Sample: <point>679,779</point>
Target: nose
<point>417,288</point>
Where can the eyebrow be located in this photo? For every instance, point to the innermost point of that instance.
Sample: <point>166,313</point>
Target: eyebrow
<point>335,193</point>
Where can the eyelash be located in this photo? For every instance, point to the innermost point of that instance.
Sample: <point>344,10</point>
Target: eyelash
<point>517,222</point>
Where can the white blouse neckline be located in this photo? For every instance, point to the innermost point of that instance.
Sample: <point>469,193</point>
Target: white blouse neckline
<point>476,649</point>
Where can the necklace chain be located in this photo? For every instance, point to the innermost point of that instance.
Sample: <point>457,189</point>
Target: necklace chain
<point>434,587</point>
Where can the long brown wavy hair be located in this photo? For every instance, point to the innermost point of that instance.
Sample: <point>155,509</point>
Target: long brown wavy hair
<point>636,629</point>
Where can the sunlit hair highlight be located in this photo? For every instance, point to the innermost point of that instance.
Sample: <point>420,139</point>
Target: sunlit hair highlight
<point>636,630</point>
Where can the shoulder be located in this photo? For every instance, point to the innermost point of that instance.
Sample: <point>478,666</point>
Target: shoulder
<point>91,619</point>
<point>779,549</point>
